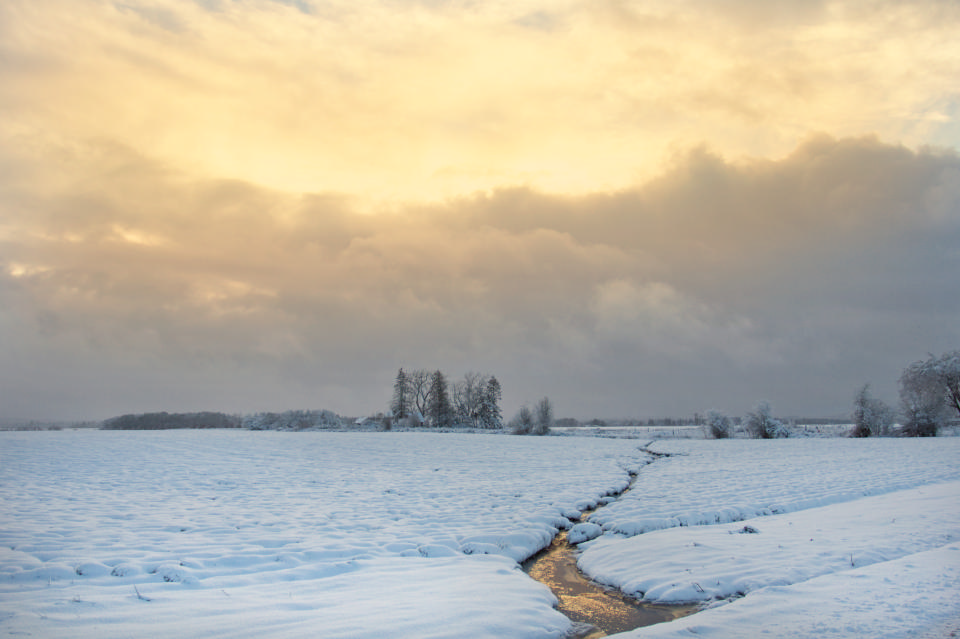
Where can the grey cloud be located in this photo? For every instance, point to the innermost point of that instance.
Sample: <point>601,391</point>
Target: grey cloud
<point>714,285</point>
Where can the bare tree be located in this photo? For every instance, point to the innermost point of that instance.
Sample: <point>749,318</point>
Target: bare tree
<point>871,416</point>
<point>941,372</point>
<point>419,381</point>
<point>922,400</point>
<point>543,417</point>
<point>468,398</point>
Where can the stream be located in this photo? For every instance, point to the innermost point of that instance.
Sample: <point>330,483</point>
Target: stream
<point>596,611</point>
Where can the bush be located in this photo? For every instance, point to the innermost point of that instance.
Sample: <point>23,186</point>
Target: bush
<point>718,425</point>
<point>522,423</point>
<point>760,424</point>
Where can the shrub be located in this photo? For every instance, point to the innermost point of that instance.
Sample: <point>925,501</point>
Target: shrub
<point>522,423</point>
<point>718,425</point>
<point>760,424</point>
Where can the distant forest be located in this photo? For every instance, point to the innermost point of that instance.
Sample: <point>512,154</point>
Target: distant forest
<point>167,421</point>
<point>287,420</point>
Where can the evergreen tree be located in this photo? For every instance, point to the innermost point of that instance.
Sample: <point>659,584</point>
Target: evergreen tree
<point>400,405</point>
<point>439,408</point>
<point>490,414</point>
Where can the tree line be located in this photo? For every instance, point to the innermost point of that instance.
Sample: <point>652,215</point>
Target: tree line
<point>929,399</point>
<point>168,421</point>
<point>427,398</point>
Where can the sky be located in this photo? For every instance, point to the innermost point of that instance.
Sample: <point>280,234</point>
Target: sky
<point>637,209</point>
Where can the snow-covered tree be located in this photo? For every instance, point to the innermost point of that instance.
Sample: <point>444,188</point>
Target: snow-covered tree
<point>924,399</point>
<point>762,425</point>
<point>543,417</point>
<point>400,405</point>
<point>948,372</point>
<point>490,414</point>
<point>938,375</point>
<point>717,425</point>
<point>439,409</point>
<point>871,416</point>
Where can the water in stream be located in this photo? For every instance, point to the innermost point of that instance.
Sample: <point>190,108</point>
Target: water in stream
<point>596,611</point>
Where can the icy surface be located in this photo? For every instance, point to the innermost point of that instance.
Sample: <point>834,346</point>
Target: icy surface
<point>266,534</point>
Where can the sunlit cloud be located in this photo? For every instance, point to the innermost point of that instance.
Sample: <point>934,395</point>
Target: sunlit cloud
<point>414,101</point>
<point>267,203</point>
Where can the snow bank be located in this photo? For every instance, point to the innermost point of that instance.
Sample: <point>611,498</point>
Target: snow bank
<point>413,597</point>
<point>914,597</point>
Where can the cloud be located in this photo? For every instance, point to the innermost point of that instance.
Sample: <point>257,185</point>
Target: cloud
<point>807,275</point>
<point>427,101</point>
<point>271,202</point>
<point>656,318</point>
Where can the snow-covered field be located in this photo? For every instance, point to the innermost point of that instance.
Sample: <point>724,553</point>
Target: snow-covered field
<point>265,534</point>
<point>795,538</point>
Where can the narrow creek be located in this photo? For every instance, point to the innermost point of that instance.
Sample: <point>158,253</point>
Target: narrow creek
<point>596,611</point>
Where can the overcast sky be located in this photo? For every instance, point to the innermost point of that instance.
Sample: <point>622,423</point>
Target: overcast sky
<point>636,208</point>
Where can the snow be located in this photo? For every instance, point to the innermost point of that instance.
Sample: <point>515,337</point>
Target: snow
<point>823,537</point>
<point>719,481</point>
<point>266,534</point>
<point>704,563</point>
<point>913,597</point>
<point>278,534</point>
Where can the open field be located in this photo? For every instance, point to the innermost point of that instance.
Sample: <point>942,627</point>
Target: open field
<point>265,534</point>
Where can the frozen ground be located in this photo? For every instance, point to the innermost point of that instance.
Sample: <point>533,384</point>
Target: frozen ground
<point>263,534</point>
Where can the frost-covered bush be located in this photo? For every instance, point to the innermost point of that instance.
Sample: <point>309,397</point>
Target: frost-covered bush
<point>293,420</point>
<point>717,426</point>
<point>871,416</point>
<point>760,424</point>
<point>522,423</point>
